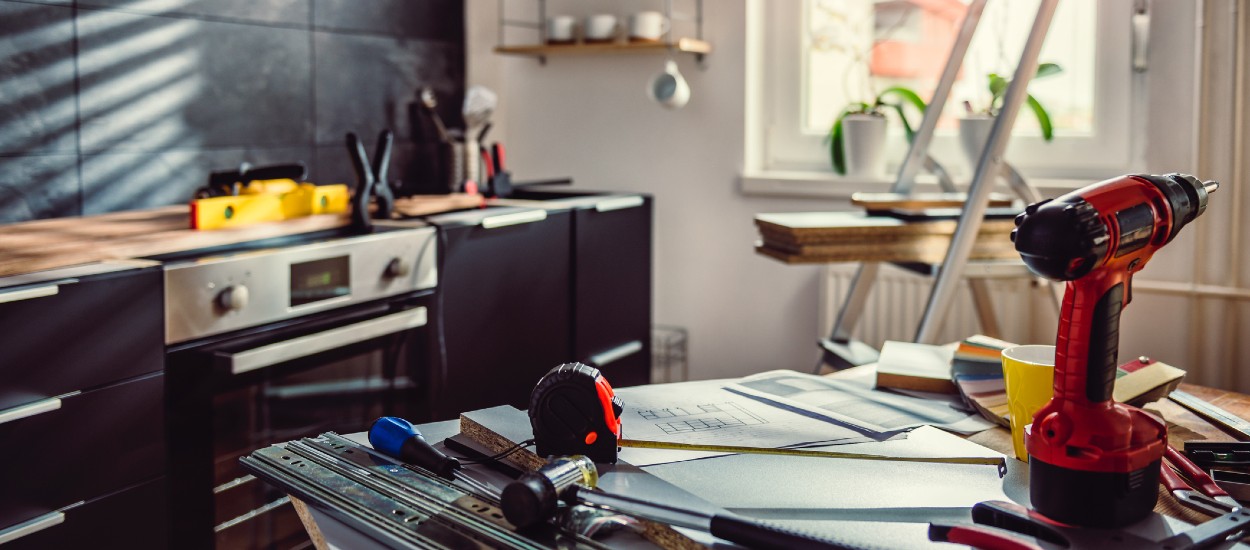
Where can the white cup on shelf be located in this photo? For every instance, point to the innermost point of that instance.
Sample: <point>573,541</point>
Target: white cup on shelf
<point>600,27</point>
<point>648,26</point>
<point>561,29</point>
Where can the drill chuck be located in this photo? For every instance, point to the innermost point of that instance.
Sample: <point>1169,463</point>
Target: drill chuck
<point>1066,238</point>
<point>1061,239</point>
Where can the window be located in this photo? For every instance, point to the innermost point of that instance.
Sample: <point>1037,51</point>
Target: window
<point>815,56</point>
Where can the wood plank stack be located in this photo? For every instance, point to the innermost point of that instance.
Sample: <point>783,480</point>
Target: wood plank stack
<point>823,237</point>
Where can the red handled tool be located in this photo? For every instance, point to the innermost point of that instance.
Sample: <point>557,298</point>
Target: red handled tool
<point>1197,478</point>
<point>490,164</point>
<point>1093,461</point>
<point>1008,526</point>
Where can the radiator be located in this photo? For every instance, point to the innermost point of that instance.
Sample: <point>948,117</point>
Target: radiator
<point>898,299</point>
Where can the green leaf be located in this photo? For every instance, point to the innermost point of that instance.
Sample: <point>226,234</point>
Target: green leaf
<point>906,94</point>
<point>1043,119</point>
<point>836,155</point>
<point>998,87</point>
<point>1047,69</point>
<point>898,108</point>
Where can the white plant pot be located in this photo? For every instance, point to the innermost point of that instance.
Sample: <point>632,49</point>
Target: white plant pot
<point>974,132</point>
<point>863,142</point>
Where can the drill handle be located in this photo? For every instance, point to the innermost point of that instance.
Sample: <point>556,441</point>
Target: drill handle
<point>1089,339</point>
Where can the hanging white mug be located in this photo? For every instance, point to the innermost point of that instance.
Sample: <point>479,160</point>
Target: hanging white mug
<point>669,88</point>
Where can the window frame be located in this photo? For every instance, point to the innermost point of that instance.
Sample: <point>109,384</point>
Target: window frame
<point>776,144</point>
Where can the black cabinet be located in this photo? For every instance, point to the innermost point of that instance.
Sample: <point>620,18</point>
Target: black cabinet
<point>612,288</point>
<point>82,407</point>
<point>123,519</point>
<point>72,329</point>
<point>503,308</point>
<point>96,442</point>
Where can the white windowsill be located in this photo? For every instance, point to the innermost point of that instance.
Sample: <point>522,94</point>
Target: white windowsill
<point>826,185</point>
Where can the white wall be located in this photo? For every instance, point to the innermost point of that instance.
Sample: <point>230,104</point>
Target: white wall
<point>588,117</point>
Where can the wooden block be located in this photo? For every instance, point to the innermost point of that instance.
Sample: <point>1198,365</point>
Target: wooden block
<point>839,227</point>
<point>920,201</point>
<point>421,205</point>
<point>920,251</point>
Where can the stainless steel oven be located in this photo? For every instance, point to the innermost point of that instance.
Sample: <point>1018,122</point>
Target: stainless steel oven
<point>285,339</point>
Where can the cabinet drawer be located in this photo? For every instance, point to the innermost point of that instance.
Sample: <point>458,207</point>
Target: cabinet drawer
<point>96,442</point>
<point>79,334</point>
<point>134,519</point>
<point>507,312</point>
<point>612,290</point>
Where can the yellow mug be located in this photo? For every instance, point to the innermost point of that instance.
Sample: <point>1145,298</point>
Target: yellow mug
<point>1029,373</point>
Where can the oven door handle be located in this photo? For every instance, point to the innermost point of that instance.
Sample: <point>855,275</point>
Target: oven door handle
<point>312,344</point>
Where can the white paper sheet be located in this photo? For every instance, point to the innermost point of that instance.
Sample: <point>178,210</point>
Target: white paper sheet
<point>704,412</point>
<point>851,404</point>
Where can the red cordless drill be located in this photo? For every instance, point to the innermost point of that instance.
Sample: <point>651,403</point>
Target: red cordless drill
<point>1092,461</point>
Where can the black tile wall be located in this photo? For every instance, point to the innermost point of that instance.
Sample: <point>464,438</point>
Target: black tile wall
<point>374,80</point>
<point>441,20</point>
<point>125,181</point>
<point>295,13</point>
<point>39,186</point>
<point>117,104</point>
<point>36,79</point>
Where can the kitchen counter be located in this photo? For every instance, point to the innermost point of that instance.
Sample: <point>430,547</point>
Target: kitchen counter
<point>62,242</point>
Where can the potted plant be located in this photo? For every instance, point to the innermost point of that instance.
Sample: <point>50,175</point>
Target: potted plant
<point>974,128</point>
<point>857,138</point>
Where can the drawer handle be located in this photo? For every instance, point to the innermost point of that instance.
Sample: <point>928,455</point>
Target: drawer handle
<point>616,354</point>
<point>304,346</point>
<point>31,527</point>
<point>515,218</point>
<point>29,293</point>
<point>619,203</point>
<point>29,409</point>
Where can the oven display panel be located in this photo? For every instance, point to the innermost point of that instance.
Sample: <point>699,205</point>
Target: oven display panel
<point>320,280</point>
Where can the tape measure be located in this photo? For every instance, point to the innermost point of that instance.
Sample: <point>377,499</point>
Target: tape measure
<point>574,411</point>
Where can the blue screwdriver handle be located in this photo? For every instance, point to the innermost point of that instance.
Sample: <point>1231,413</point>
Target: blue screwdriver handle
<point>398,438</point>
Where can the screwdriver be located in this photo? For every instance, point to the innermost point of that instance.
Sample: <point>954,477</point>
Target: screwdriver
<point>398,438</point>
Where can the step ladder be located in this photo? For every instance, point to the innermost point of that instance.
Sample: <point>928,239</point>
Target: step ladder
<point>841,350</point>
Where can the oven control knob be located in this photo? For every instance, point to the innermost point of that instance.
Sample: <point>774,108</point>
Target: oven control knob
<point>398,268</point>
<point>233,298</point>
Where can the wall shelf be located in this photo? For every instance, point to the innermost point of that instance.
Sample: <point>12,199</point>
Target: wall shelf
<point>540,50</point>
<point>684,45</point>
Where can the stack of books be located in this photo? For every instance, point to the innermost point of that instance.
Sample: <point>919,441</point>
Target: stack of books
<point>977,369</point>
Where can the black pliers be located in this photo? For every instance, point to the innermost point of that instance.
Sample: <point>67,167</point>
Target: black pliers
<point>371,179</point>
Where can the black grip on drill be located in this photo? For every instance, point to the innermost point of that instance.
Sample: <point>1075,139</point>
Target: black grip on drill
<point>1104,345</point>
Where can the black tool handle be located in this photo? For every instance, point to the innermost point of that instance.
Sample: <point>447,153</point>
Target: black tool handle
<point>755,534</point>
<point>381,166</point>
<point>364,182</point>
<point>294,171</point>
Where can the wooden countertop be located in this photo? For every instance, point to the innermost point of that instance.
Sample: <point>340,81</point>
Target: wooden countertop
<point>62,242</point>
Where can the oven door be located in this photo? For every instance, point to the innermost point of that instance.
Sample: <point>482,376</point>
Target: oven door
<point>336,371</point>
